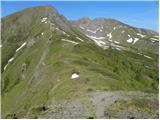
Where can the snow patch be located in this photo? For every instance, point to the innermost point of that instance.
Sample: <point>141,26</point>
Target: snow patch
<point>142,36</point>
<point>129,36</point>
<point>139,53</point>
<point>99,43</point>
<point>118,49</point>
<point>79,39</point>
<point>156,36</point>
<point>10,60</point>
<point>154,39</point>
<point>21,46</point>
<point>109,35</point>
<point>0,46</point>
<point>44,19</point>
<point>63,32</point>
<point>82,27</point>
<point>57,28</point>
<point>91,31</point>
<point>5,66</point>
<point>102,42</point>
<point>147,56</point>
<point>70,41</point>
<point>110,40</point>
<point>130,40</point>
<point>114,28</point>
<point>42,33</point>
<point>96,38</point>
<point>74,76</point>
<point>135,40</point>
<point>116,42</point>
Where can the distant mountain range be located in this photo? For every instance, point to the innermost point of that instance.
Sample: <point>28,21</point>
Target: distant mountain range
<point>50,64</point>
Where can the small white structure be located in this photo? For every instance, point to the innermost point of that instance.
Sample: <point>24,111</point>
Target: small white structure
<point>74,76</point>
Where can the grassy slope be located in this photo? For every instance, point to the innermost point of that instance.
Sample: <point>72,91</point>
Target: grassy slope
<point>99,70</point>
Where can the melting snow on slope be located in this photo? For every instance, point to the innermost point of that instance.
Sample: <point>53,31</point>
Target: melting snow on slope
<point>95,31</point>
<point>70,41</point>
<point>129,36</point>
<point>0,46</point>
<point>10,60</point>
<point>63,32</point>
<point>44,19</point>
<point>114,28</point>
<point>21,46</point>
<point>130,40</point>
<point>109,35</point>
<point>141,35</point>
<point>116,42</point>
<point>79,39</point>
<point>147,56</point>
<point>96,38</point>
<point>99,42</point>
<point>74,76</point>
<point>5,66</point>
<point>154,39</point>
<point>135,40</point>
<point>110,40</point>
<point>91,31</point>
<point>82,27</point>
<point>57,28</point>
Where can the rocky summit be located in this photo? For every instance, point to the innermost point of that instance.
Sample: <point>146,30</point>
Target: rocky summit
<point>55,68</point>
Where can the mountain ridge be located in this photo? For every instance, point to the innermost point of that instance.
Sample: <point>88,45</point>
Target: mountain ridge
<point>54,68</point>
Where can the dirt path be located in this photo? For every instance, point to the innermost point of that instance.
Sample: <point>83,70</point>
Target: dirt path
<point>75,108</point>
<point>102,100</point>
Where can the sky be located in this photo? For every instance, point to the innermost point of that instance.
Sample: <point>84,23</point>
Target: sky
<point>142,14</point>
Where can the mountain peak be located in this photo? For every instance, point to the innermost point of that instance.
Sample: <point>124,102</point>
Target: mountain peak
<point>85,19</point>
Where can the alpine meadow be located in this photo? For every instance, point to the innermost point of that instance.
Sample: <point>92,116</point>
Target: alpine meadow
<point>55,68</point>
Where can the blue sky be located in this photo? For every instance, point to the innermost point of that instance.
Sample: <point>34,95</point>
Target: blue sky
<point>143,14</point>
